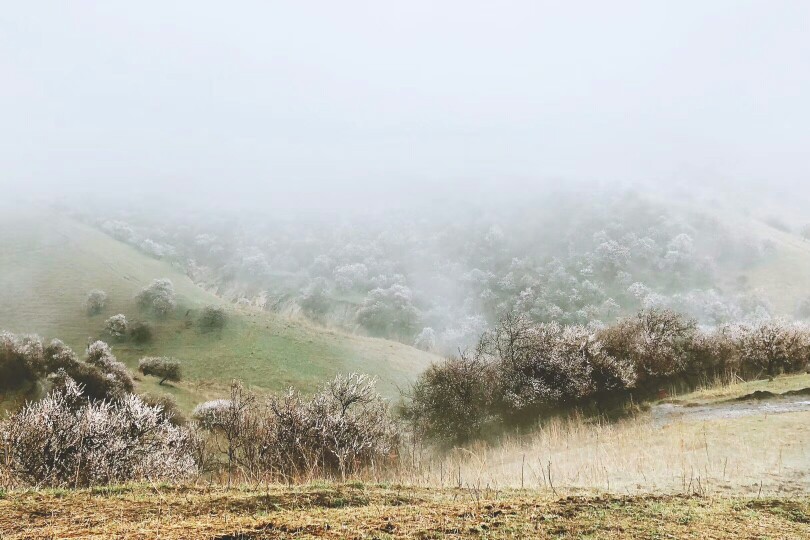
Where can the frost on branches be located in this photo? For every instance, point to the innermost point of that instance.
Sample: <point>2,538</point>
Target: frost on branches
<point>117,326</point>
<point>65,440</point>
<point>158,297</point>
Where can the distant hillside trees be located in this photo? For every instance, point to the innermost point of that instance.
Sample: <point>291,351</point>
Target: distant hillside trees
<point>573,258</point>
<point>212,318</point>
<point>95,301</point>
<point>389,311</point>
<point>314,298</point>
<point>158,297</point>
<point>166,369</point>
<point>117,326</point>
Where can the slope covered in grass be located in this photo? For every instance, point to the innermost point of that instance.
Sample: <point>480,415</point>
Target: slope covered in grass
<point>49,262</point>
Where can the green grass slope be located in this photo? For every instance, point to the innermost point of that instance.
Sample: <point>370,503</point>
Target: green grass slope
<point>49,262</point>
<point>783,276</point>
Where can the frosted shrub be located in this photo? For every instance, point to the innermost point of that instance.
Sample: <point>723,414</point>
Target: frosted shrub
<point>116,326</point>
<point>167,369</point>
<point>211,414</point>
<point>63,440</point>
<point>773,347</point>
<point>389,311</point>
<point>212,318</point>
<point>344,428</point>
<point>21,359</point>
<point>95,302</point>
<point>451,401</point>
<point>100,356</point>
<point>426,339</point>
<point>159,297</point>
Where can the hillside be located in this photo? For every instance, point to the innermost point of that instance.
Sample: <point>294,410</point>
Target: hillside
<point>49,262</point>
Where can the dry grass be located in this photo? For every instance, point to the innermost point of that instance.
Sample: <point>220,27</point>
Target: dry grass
<point>757,454</point>
<point>734,388</point>
<point>358,511</point>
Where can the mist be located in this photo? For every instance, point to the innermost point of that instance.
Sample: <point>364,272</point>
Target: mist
<point>279,105</point>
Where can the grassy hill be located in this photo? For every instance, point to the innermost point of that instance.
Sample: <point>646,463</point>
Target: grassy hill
<point>783,276</point>
<point>49,262</point>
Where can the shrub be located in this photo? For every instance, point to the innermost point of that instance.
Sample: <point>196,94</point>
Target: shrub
<point>773,347</point>
<point>425,340</point>
<point>100,356</point>
<point>344,428</point>
<point>95,302</point>
<point>159,297</point>
<point>655,341</point>
<point>166,369</point>
<point>116,326</point>
<point>21,360</point>
<point>452,401</point>
<point>314,299</point>
<point>212,318</point>
<point>168,407</point>
<point>63,440</point>
<point>140,332</point>
<point>388,312</point>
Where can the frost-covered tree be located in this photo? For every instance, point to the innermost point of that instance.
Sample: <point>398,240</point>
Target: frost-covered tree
<point>95,301</point>
<point>100,356</point>
<point>166,369</point>
<point>159,297</point>
<point>119,230</point>
<point>389,311</point>
<point>426,339</point>
<point>117,326</point>
<point>351,276</point>
<point>773,347</point>
<point>314,298</point>
<point>21,360</point>
<point>656,341</point>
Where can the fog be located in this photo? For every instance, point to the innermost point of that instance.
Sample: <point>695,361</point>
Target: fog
<point>322,105</point>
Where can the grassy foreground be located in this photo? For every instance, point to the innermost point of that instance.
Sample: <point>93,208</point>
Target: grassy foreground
<point>357,511</point>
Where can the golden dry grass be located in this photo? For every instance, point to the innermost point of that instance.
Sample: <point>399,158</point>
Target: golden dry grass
<point>757,454</point>
<point>357,511</point>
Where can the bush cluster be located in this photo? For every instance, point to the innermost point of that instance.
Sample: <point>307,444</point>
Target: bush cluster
<point>343,428</point>
<point>25,359</point>
<point>66,440</point>
<point>522,371</point>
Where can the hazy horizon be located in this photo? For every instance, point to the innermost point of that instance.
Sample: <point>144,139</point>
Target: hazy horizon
<point>282,104</point>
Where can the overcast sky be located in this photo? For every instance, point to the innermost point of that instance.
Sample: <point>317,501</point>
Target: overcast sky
<point>272,100</point>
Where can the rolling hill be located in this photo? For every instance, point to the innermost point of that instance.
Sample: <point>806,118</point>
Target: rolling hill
<point>48,263</point>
